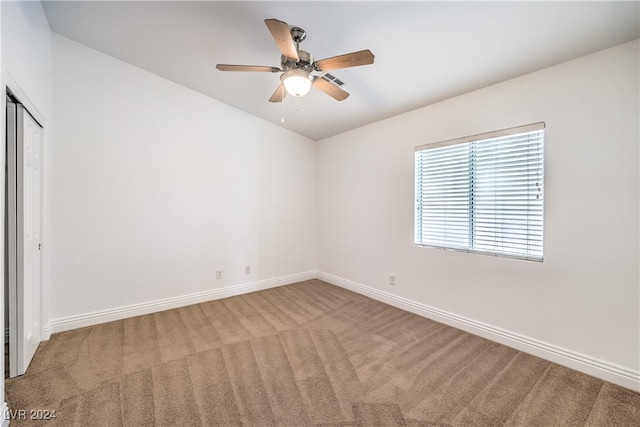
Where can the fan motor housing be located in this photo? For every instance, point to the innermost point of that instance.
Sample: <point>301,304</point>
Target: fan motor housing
<point>304,63</point>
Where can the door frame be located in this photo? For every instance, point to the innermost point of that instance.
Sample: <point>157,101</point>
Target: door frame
<point>11,230</point>
<point>13,91</point>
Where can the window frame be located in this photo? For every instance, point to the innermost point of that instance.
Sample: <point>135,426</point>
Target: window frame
<point>469,245</point>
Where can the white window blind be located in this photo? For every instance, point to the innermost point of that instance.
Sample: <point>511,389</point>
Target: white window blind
<point>483,193</point>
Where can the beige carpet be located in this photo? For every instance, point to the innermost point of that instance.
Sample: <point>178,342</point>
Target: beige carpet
<point>299,355</point>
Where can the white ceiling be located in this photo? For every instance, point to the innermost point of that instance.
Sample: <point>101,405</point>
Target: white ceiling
<point>425,52</point>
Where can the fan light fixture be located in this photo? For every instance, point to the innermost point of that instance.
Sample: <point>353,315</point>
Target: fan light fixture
<point>297,82</point>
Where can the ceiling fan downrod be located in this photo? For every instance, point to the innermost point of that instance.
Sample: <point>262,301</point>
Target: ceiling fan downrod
<point>305,59</point>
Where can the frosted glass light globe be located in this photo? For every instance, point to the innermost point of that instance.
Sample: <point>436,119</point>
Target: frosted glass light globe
<point>297,82</point>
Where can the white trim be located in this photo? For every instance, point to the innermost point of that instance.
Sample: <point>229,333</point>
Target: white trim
<point>604,370</point>
<point>46,331</point>
<point>11,84</point>
<point>4,410</point>
<point>102,316</point>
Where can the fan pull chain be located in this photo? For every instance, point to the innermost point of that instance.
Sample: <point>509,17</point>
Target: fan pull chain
<point>282,105</point>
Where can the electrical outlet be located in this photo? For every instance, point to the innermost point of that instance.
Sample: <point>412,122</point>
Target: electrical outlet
<point>218,274</point>
<point>392,279</point>
<point>247,269</point>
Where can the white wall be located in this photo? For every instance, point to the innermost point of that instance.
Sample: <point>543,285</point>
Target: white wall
<point>583,301</point>
<point>26,69</point>
<point>26,51</point>
<point>155,187</point>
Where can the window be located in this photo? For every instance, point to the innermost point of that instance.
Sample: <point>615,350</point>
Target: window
<point>483,193</point>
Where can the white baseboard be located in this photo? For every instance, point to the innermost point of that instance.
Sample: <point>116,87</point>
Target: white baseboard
<point>607,371</point>
<point>103,316</point>
<point>604,370</point>
<point>46,332</point>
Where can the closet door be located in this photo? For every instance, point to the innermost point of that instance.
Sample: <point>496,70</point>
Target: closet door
<point>24,195</point>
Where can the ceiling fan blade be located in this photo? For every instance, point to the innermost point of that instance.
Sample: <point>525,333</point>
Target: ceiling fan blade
<point>354,59</point>
<point>282,36</point>
<point>262,68</point>
<point>278,95</point>
<point>330,89</point>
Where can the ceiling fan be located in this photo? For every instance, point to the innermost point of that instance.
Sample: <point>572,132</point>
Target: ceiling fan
<point>299,70</point>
